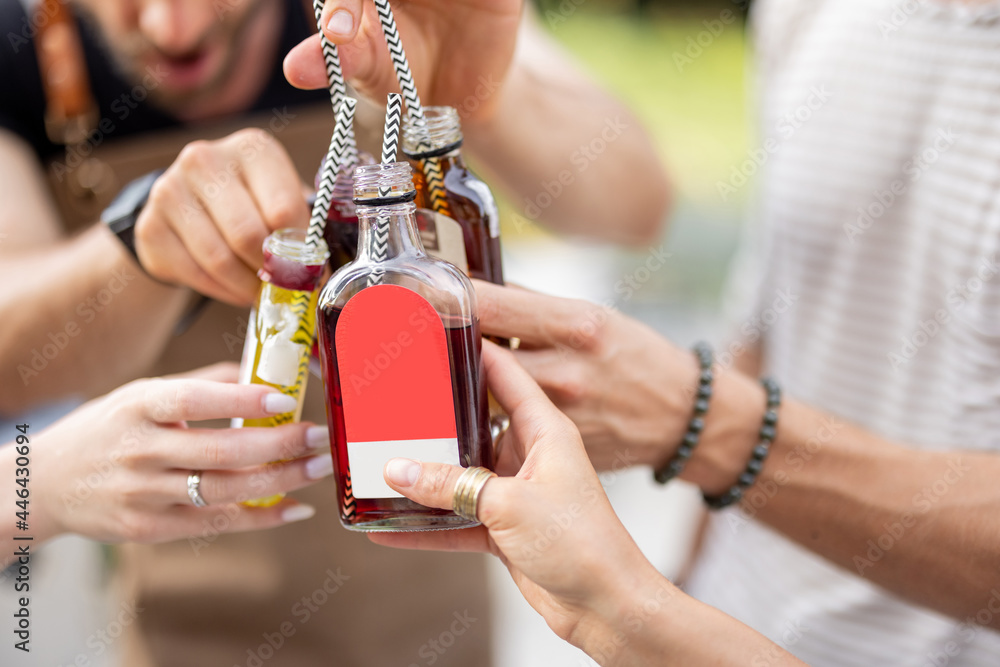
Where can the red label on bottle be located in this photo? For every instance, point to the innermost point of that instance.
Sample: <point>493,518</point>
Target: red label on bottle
<point>395,375</point>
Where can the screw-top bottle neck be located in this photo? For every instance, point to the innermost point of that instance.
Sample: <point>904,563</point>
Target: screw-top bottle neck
<point>384,194</point>
<point>441,134</point>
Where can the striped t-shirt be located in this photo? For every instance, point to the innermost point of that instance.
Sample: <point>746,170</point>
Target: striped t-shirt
<point>877,192</point>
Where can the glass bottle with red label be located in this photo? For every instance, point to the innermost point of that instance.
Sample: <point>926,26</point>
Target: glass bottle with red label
<point>401,356</point>
<point>466,229</point>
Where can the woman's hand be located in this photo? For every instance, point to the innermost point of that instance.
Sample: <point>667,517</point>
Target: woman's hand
<point>116,468</point>
<point>459,50</point>
<point>551,523</point>
<point>552,526</point>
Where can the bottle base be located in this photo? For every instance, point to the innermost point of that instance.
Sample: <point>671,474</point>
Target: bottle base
<point>408,523</point>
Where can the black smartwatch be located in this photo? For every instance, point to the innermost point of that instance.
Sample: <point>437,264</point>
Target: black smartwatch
<point>121,215</point>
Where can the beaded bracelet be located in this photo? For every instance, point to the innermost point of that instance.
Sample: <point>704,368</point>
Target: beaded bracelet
<point>675,465</point>
<point>767,432</point>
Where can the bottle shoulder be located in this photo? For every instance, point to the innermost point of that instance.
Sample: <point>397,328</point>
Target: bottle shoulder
<point>447,288</point>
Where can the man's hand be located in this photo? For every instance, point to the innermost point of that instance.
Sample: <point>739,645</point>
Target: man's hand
<point>627,389</point>
<point>207,216</point>
<point>453,46</point>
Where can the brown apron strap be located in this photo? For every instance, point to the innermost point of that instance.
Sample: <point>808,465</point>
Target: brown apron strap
<point>70,111</point>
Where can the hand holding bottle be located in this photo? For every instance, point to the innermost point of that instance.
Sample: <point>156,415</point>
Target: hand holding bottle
<point>116,468</point>
<point>552,526</point>
<point>208,214</point>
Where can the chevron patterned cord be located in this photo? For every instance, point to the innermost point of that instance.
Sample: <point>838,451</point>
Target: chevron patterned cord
<point>338,87</point>
<point>334,159</point>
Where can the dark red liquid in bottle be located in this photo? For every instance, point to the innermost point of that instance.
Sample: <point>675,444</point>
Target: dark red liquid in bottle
<point>466,206</point>
<point>289,274</point>
<point>474,443</point>
<point>341,232</point>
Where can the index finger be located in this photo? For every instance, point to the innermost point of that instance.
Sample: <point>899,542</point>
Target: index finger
<point>518,394</point>
<point>536,319</point>
<point>271,178</point>
<point>167,401</point>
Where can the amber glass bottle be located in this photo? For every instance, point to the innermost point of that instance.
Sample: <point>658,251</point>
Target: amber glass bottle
<point>460,195</point>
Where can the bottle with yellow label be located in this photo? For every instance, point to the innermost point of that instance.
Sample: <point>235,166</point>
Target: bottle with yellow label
<point>282,325</point>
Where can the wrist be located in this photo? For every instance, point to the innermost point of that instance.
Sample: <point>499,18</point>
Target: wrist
<point>630,624</point>
<point>730,434</point>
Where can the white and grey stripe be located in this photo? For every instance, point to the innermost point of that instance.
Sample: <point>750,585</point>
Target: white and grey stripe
<point>862,340</point>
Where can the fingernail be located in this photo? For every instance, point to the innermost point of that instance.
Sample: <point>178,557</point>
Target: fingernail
<point>317,437</point>
<point>341,23</point>
<point>298,513</point>
<point>402,472</point>
<point>319,466</point>
<point>277,403</point>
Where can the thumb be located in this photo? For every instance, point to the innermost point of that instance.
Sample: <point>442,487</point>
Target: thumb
<point>430,484</point>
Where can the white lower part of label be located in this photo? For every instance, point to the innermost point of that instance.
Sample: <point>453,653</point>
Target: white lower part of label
<point>368,459</point>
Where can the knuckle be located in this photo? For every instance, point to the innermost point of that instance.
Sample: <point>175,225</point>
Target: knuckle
<point>292,443</point>
<point>219,261</point>
<point>492,502</point>
<point>168,400</point>
<point>284,210</point>
<point>217,488</point>
<point>163,192</point>
<point>196,155</point>
<point>217,454</point>
<point>489,305</point>
<point>570,384</point>
<point>131,493</point>
<point>252,137</point>
<point>246,237</point>
<point>586,326</point>
<point>436,482</point>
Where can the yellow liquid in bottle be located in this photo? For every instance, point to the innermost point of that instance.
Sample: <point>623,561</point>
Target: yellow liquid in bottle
<point>283,326</point>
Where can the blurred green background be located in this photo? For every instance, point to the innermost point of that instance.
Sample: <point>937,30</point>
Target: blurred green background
<point>695,110</point>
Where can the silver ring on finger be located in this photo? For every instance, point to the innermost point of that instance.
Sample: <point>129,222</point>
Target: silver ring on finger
<point>465,499</point>
<point>194,489</point>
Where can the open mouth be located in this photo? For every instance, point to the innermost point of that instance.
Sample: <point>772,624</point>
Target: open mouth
<point>189,70</point>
